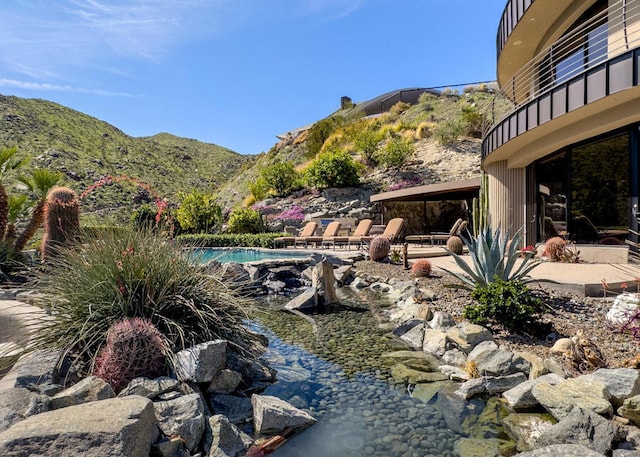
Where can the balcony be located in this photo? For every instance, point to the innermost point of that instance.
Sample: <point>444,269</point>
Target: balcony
<point>591,62</point>
<point>511,15</point>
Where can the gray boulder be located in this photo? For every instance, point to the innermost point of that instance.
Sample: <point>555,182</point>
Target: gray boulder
<point>237,409</point>
<point>405,326</point>
<point>490,385</point>
<point>307,300</point>
<point>526,428</point>
<point>225,382</point>
<point>466,336</point>
<point>88,389</point>
<point>441,321</point>
<point>200,363</point>
<point>536,364</point>
<point>630,409</point>
<point>359,283</point>
<point>272,415</point>
<point>581,426</point>
<point>325,283</point>
<point>227,439</point>
<point>622,383</point>
<point>150,388</point>
<point>36,368</point>
<point>454,373</point>
<point>18,403</point>
<point>561,398</point>
<point>414,337</point>
<point>184,416</point>
<point>105,428</point>
<point>455,357</point>
<point>520,397</point>
<point>492,360</point>
<point>434,341</point>
<point>562,450</point>
<point>456,410</point>
<point>413,359</point>
<point>343,274</point>
<point>169,447</point>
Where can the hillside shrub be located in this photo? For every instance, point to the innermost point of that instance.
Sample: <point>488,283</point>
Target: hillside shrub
<point>472,118</point>
<point>399,108</point>
<point>107,279</point>
<point>449,131</point>
<point>333,169</point>
<point>259,189</point>
<point>366,144</point>
<point>322,130</point>
<point>396,152</point>
<point>508,303</point>
<point>198,212</point>
<point>229,240</point>
<point>145,217</point>
<point>245,220</point>
<point>281,178</point>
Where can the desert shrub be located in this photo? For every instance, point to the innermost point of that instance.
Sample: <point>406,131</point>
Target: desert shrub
<point>294,214</point>
<point>508,303</point>
<point>245,220</point>
<point>396,152</point>
<point>333,169</point>
<point>554,248</point>
<point>198,212</point>
<point>137,274</point>
<point>379,248</point>
<point>147,217</point>
<point>449,131</point>
<point>252,240</point>
<point>322,130</point>
<point>135,348</point>
<point>259,189</point>
<point>421,268</point>
<point>455,244</point>
<point>423,130</point>
<point>399,108</point>
<point>472,118</point>
<point>415,181</point>
<point>281,178</point>
<point>366,143</point>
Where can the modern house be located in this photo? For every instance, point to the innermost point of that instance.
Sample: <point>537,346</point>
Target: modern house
<point>562,150</point>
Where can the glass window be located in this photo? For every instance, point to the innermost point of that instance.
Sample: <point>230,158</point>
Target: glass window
<point>552,192</point>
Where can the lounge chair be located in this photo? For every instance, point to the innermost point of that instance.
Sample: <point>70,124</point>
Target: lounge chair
<point>330,232</point>
<point>308,230</point>
<point>458,228</point>
<point>361,230</point>
<point>392,231</point>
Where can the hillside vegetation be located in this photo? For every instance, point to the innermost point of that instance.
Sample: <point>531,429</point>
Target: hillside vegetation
<point>86,149</point>
<point>432,141</point>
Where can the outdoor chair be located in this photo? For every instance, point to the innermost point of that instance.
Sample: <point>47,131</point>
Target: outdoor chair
<point>363,228</point>
<point>330,232</point>
<point>458,227</point>
<point>392,231</point>
<point>308,230</point>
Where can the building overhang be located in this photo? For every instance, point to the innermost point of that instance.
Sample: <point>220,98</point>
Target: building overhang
<point>454,190</point>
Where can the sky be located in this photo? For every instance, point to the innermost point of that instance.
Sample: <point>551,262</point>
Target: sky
<point>237,72</point>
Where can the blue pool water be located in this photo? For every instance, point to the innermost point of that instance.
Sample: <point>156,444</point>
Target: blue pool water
<point>243,255</point>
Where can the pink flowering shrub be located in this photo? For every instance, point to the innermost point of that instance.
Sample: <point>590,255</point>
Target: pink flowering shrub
<point>407,183</point>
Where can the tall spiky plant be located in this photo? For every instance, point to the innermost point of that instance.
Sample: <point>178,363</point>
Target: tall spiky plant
<point>39,182</point>
<point>18,205</point>
<point>8,162</point>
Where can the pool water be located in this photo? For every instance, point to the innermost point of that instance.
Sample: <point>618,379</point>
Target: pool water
<point>244,255</point>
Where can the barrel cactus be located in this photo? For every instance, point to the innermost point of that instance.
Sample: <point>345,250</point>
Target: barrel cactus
<point>135,347</point>
<point>455,244</point>
<point>421,268</point>
<point>62,220</point>
<point>554,248</point>
<point>379,248</point>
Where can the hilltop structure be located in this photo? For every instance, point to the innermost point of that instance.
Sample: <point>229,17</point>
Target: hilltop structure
<point>565,159</point>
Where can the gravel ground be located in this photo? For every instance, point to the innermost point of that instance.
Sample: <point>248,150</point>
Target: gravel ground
<point>567,315</point>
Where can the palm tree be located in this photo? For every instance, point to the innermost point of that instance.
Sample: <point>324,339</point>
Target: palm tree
<point>38,182</point>
<point>7,163</point>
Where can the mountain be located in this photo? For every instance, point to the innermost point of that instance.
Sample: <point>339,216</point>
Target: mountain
<point>86,149</point>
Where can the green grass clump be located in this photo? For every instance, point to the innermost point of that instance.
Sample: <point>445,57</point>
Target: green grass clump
<point>137,274</point>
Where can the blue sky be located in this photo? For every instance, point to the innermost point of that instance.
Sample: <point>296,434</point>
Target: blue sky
<point>237,72</point>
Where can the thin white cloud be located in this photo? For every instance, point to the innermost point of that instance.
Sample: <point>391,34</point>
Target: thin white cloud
<point>36,86</point>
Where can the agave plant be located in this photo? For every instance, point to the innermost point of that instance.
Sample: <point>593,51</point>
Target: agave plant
<point>493,257</point>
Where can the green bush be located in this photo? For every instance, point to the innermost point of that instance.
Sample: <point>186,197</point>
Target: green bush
<point>281,177</point>
<point>508,303</point>
<point>136,274</point>
<point>250,240</point>
<point>198,212</point>
<point>259,189</point>
<point>366,143</point>
<point>333,169</point>
<point>472,118</point>
<point>448,132</point>
<point>245,220</point>
<point>322,130</point>
<point>396,152</point>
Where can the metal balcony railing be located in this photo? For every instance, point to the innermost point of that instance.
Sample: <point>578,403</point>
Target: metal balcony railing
<point>607,34</point>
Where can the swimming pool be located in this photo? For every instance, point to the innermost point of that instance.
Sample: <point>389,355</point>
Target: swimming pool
<point>244,255</point>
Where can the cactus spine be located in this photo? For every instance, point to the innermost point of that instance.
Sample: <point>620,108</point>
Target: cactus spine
<point>62,220</point>
<point>135,347</point>
<point>480,207</point>
<point>379,248</point>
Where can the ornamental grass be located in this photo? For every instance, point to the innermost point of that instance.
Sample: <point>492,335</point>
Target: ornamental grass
<point>134,274</point>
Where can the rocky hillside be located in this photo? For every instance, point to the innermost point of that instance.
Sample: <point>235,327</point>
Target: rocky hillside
<point>86,149</point>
